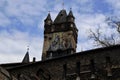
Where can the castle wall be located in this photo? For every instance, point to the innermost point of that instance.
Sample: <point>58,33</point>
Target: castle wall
<point>4,75</point>
<point>53,69</point>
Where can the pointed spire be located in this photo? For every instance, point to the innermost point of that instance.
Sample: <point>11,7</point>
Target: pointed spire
<point>48,17</point>
<point>27,48</point>
<point>61,17</point>
<point>70,13</point>
<point>26,58</point>
<point>48,20</point>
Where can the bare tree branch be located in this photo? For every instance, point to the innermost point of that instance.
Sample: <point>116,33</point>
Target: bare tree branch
<point>103,41</point>
<point>109,39</point>
<point>118,26</point>
<point>96,37</point>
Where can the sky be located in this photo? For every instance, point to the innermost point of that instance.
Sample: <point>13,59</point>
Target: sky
<point>22,24</point>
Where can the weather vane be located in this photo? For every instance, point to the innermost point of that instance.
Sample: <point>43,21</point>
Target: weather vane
<point>49,11</point>
<point>27,48</point>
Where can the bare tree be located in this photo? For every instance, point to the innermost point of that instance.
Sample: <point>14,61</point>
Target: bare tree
<point>115,23</point>
<point>105,40</point>
<point>118,26</point>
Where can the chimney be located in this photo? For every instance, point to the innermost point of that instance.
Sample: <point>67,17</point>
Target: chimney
<point>34,59</point>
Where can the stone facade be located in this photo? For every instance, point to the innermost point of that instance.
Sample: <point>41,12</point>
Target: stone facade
<point>60,40</point>
<point>98,64</point>
<point>60,35</point>
<point>4,75</point>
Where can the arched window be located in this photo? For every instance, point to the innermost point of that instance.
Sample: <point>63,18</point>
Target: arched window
<point>34,78</point>
<point>43,75</point>
<point>23,77</point>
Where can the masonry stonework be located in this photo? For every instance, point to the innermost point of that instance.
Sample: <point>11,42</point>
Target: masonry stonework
<point>53,69</point>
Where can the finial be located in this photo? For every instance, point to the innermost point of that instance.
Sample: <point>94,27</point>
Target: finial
<point>63,4</point>
<point>27,48</point>
<point>70,9</point>
<point>49,12</point>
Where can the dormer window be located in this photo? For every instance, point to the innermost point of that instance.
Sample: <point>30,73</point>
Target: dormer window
<point>71,25</point>
<point>72,19</point>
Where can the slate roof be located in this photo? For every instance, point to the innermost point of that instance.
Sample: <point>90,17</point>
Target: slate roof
<point>48,17</point>
<point>70,13</point>
<point>26,58</point>
<point>61,17</point>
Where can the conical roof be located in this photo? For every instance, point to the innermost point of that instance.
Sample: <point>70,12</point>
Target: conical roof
<point>61,17</point>
<point>26,58</point>
<point>48,17</point>
<point>70,13</point>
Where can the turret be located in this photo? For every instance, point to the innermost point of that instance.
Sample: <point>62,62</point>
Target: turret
<point>71,24</point>
<point>26,57</point>
<point>48,20</point>
<point>60,36</point>
<point>70,17</point>
<point>48,23</point>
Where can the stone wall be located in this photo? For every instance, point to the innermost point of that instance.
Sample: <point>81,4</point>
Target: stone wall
<point>4,75</point>
<point>100,63</point>
<point>58,41</point>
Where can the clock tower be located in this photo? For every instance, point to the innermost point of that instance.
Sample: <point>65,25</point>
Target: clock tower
<point>60,35</point>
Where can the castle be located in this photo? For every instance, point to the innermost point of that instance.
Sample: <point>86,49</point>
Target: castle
<point>60,60</point>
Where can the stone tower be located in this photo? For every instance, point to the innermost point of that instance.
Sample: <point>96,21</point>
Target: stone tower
<point>60,35</point>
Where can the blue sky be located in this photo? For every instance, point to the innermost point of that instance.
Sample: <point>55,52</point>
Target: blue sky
<point>21,24</point>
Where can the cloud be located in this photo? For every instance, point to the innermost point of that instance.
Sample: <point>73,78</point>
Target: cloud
<point>4,20</point>
<point>115,5</point>
<point>85,5</point>
<point>85,23</point>
<point>30,14</point>
<point>13,46</point>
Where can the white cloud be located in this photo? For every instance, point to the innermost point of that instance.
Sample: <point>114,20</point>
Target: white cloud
<point>115,5</point>
<point>4,20</point>
<point>85,22</point>
<point>29,7</point>
<point>33,12</point>
<point>26,11</point>
<point>86,45</point>
<point>85,5</point>
<point>13,46</point>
